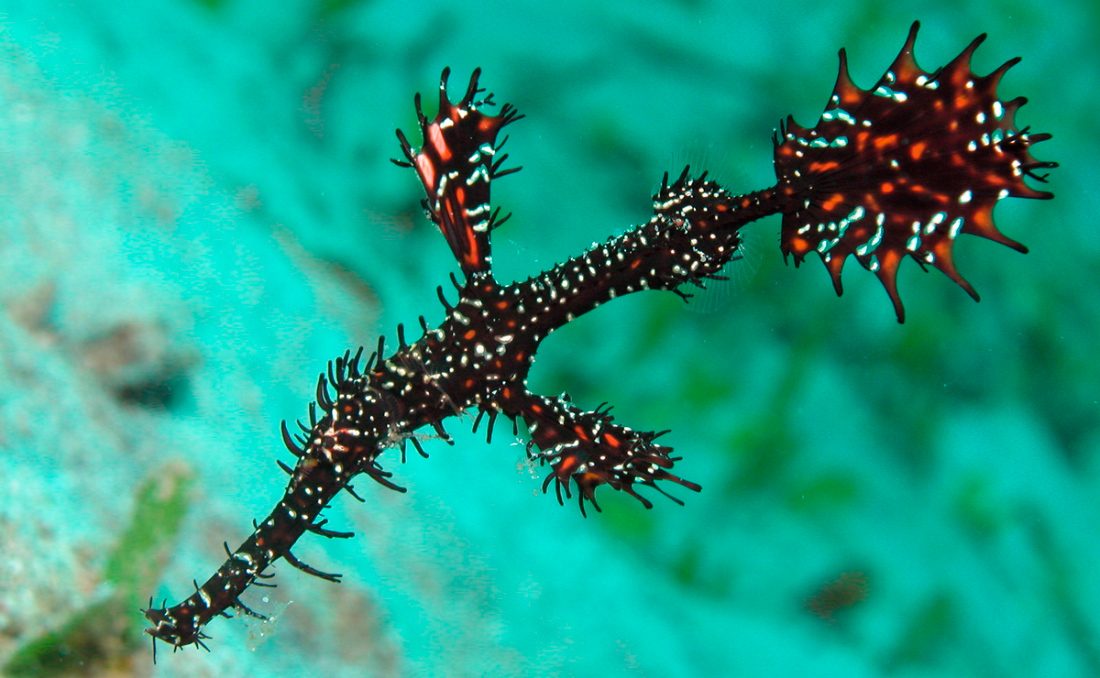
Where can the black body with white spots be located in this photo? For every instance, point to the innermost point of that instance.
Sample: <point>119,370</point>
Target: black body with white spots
<point>898,170</point>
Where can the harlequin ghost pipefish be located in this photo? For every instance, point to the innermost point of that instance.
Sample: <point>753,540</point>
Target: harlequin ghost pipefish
<point>896,171</point>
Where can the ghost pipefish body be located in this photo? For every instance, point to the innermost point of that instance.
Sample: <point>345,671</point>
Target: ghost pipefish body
<point>893,172</point>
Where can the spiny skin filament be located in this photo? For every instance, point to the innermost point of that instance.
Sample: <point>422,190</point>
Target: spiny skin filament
<point>868,181</point>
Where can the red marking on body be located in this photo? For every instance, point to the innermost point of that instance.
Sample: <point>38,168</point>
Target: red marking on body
<point>917,150</point>
<point>473,257</point>
<point>890,260</point>
<point>821,167</point>
<point>435,137</point>
<point>425,169</point>
<point>888,140</point>
<point>450,214</point>
<point>832,201</point>
<point>588,480</point>
<point>567,464</point>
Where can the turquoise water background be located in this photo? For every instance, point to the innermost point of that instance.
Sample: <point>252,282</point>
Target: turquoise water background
<point>197,211</point>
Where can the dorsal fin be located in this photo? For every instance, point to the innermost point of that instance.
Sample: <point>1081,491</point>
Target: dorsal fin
<point>903,168</point>
<point>456,164</point>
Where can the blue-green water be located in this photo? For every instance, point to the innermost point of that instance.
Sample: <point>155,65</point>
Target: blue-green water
<point>197,211</point>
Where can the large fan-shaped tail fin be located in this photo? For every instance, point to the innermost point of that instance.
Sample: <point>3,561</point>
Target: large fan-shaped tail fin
<point>903,168</point>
